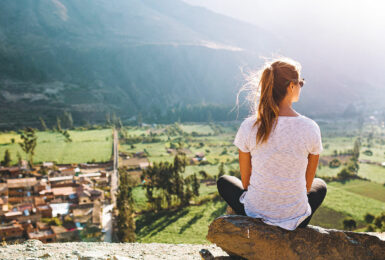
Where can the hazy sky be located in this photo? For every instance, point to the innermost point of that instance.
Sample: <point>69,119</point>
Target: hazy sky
<point>347,34</point>
<point>354,17</point>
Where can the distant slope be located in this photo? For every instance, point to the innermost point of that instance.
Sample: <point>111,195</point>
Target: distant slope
<point>90,57</point>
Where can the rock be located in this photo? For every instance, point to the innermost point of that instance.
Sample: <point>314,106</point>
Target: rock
<point>206,255</point>
<point>33,242</point>
<point>118,257</point>
<point>230,211</point>
<point>46,255</point>
<point>250,238</point>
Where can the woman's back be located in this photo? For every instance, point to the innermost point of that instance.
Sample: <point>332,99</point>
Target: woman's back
<point>277,190</point>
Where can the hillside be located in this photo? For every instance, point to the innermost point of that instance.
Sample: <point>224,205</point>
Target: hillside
<point>93,57</point>
<point>148,59</point>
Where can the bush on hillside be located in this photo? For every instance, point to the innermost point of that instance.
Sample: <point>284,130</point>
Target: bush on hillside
<point>335,163</point>
<point>349,223</point>
<point>369,218</point>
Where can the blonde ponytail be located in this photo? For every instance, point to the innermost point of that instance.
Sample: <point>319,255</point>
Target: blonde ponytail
<point>268,87</point>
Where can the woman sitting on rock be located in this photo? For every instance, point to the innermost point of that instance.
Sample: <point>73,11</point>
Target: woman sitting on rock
<point>278,152</point>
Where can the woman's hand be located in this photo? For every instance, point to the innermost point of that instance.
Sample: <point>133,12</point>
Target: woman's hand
<point>245,168</point>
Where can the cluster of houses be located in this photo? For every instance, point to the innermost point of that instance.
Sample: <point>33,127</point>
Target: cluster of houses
<point>56,202</point>
<point>51,202</point>
<point>198,157</point>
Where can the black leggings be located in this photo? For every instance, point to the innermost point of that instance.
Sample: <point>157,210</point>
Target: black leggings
<point>231,188</point>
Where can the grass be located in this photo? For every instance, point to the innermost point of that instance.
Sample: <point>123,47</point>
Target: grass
<point>364,188</point>
<point>186,225</point>
<point>378,153</point>
<point>337,143</point>
<point>328,172</point>
<point>350,199</point>
<point>372,172</point>
<point>340,199</point>
<point>199,128</point>
<point>139,195</point>
<point>190,225</point>
<point>51,146</point>
<point>327,218</point>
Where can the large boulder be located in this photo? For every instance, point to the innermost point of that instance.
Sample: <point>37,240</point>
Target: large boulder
<point>250,238</point>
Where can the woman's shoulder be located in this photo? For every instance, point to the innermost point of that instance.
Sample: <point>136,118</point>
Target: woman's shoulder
<point>310,122</point>
<point>309,126</point>
<point>249,121</point>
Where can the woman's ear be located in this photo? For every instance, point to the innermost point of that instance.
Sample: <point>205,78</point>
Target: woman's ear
<point>291,86</point>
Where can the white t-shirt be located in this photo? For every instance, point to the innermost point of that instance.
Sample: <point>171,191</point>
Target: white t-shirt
<point>277,192</point>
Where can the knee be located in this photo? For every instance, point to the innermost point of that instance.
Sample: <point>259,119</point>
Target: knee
<point>321,186</point>
<point>221,182</point>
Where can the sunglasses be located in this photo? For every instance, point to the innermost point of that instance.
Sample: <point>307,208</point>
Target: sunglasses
<point>301,82</point>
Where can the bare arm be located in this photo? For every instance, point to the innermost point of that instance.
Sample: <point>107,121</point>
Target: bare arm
<point>311,169</point>
<point>245,168</point>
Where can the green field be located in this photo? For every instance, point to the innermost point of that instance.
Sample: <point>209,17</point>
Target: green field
<point>188,225</point>
<point>364,188</point>
<point>199,128</point>
<point>353,198</point>
<point>355,204</point>
<point>51,146</point>
<point>374,173</point>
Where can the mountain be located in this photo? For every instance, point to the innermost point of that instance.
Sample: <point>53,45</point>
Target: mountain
<point>123,56</point>
<point>127,57</point>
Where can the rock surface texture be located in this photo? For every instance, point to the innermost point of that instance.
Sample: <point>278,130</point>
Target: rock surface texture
<point>34,249</point>
<point>250,238</point>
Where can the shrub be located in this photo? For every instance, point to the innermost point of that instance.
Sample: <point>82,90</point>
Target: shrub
<point>349,223</point>
<point>335,163</point>
<point>370,228</point>
<point>379,221</point>
<point>344,174</point>
<point>369,218</point>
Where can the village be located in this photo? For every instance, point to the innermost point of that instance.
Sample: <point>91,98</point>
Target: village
<point>59,202</point>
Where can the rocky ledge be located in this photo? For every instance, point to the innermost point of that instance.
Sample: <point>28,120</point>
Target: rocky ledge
<point>34,249</point>
<point>250,238</point>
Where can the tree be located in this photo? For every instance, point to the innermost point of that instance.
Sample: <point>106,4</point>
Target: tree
<point>195,185</point>
<point>126,223</point>
<point>19,159</point>
<point>125,205</point>
<point>221,170</point>
<point>187,195</point>
<point>108,119</point>
<point>379,221</point>
<point>7,159</point>
<point>353,166</point>
<point>29,143</point>
<point>369,218</point>
<point>356,149</point>
<point>165,184</point>
<point>66,136</point>
<point>67,121</point>
<point>43,125</point>
<point>58,124</point>
<point>349,223</point>
<point>335,163</point>
<point>370,228</point>
<point>203,174</point>
<point>344,174</point>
